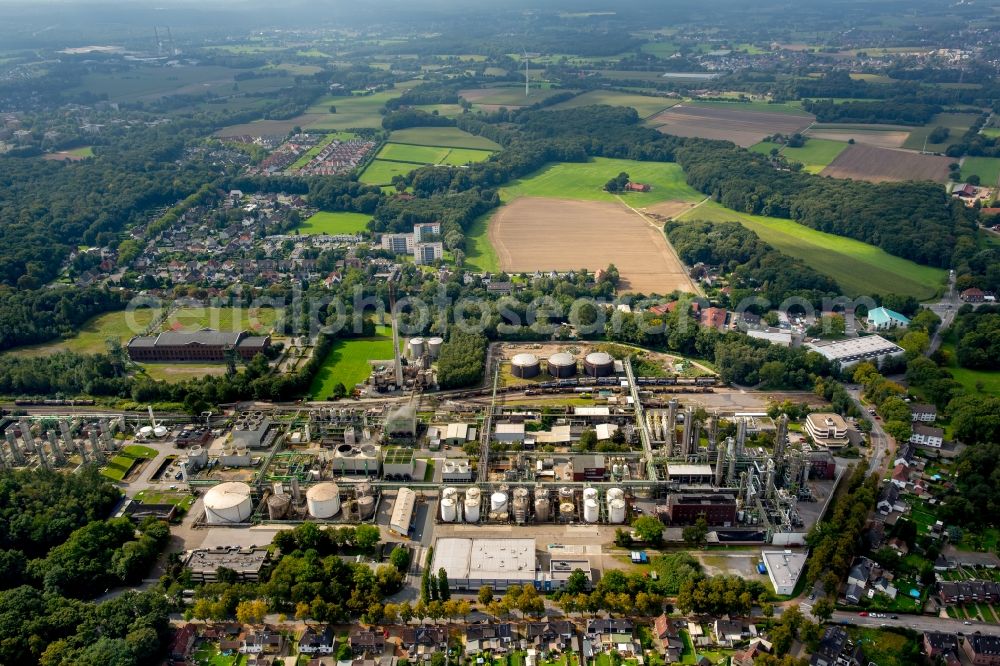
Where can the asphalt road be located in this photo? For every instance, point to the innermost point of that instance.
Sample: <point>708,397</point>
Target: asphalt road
<point>881,450</point>
<point>918,623</point>
<point>945,308</point>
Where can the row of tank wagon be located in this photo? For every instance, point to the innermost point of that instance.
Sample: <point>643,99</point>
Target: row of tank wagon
<point>232,503</point>
<point>539,505</point>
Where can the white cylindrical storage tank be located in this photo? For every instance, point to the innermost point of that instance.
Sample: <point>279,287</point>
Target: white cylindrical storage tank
<point>227,503</point>
<point>472,507</point>
<point>525,366</point>
<point>449,468</point>
<point>146,431</point>
<point>434,346</point>
<point>323,500</point>
<point>589,494</point>
<point>416,347</point>
<point>449,493</point>
<point>615,494</point>
<point>562,365</point>
<point>159,431</point>
<point>599,364</point>
<point>616,511</point>
<point>449,510</point>
<point>474,493</point>
<point>498,502</point>
<point>591,510</point>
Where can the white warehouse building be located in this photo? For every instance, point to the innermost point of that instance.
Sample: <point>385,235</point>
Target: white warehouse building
<point>472,563</point>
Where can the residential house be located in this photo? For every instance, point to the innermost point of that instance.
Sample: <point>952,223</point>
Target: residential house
<point>182,644</point>
<point>610,633</point>
<point>669,636</point>
<point>927,435</point>
<point>314,641</point>
<point>552,634</point>
<point>836,649</point>
<point>495,638</point>
<point>901,475</point>
<point>424,639</point>
<point>757,647</point>
<point>261,642</point>
<point>973,295</point>
<point>888,499</point>
<point>727,632</point>
<point>982,650</point>
<point>714,318</point>
<point>367,642</point>
<point>854,593</point>
<point>920,411</point>
<point>637,187</point>
<point>940,646</point>
<point>898,545</point>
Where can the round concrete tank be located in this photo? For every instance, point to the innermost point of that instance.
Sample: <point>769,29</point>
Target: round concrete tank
<point>227,503</point>
<point>562,365</point>
<point>416,347</point>
<point>566,511</point>
<point>498,502</point>
<point>277,506</point>
<point>449,510</point>
<point>589,494</point>
<point>363,489</point>
<point>472,507</point>
<point>591,510</point>
<point>366,507</point>
<point>616,511</point>
<point>542,509</point>
<point>323,500</point>
<point>525,366</point>
<point>434,347</point>
<point>599,364</point>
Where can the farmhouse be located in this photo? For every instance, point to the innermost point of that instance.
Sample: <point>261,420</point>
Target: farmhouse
<point>637,187</point>
<point>203,345</point>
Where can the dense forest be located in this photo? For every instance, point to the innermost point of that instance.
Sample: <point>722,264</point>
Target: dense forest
<point>978,334</point>
<point>757,269</point>
<point>889,111</point>
<point>462,361</point>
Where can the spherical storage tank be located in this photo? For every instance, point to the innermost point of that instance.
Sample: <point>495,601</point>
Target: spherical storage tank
<point>525,366</point>
<point>228,502</point>
<point>616,511</point>
<point>562,365</point>
<point>416,347</point>
<point>434,347</point>
<point>323,500</point>
<point>591,510</point>
<point>599,364</point>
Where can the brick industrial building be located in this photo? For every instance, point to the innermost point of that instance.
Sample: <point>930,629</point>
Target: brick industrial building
<point>203,345</point>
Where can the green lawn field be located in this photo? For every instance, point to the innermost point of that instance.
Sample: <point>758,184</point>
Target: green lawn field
<point>347,362</point>
<point>340,222</point>
<point>448,137</point>
<point>815,155</point>
<point>794,108</point>
<point>992,132</point>
<point>975,382</point>
<point>462,156</point>
<point>153,82</point>
<point>118,467</point>
<point>958,123</point>
<point>859,268</point>
<point>585,181</point>
<point>479,252</point>
<point>398,152</point>
<point>511,96</point>
<point>645,105</point>
<point>987,168</point>
<point>91,337</point>
<point>380,172</point>
<point>359,111</point>
<point>85,151</point>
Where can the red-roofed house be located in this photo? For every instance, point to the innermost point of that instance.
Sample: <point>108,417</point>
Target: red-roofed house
<point>965,190</point>
<point>183,642</point>
<point>901,475</point>
<point>973,295</point>
<point>714,318</point>
<point>637,187</point>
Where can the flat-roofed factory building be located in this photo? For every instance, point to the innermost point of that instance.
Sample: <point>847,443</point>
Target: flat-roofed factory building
<point>472,563</point>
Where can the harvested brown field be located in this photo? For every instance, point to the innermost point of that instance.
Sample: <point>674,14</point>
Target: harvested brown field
<point>877,165</point>
<point>744,128</point>
<point>877,138</point>
<point>670,209</point>
<point>537,233</point>
<point>267,127</point>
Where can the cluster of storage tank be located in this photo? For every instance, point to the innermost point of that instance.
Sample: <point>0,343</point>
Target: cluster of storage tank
<point>430,346</point>
<point>322,502</point>
<point>516,505</point>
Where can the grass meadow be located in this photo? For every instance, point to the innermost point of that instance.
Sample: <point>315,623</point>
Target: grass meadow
<point>341,222</point>
<point>347,362</point>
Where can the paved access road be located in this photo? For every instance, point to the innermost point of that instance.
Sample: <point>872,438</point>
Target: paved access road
<point>918,623</point>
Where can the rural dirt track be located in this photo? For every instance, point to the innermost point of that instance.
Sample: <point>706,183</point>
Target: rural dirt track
<point>878,165</point>
<point>543,234</point>
<point>744,128</point>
